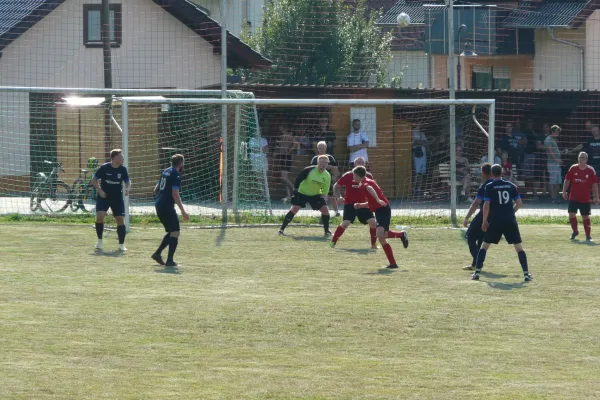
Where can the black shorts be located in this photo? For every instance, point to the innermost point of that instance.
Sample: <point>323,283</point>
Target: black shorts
<point>495,231</point>
<point>383,215</point>
<point>168,217</point>
<point>117,205</point>
<point>316,202</point>
<point>351,213</point>
<point>474,233</point>
<point>584,208</point>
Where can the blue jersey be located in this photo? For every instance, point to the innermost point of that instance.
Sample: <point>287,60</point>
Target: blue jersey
<point>481,194</point>
<point>501,194</point>
<point>169,180</point>
<point>111,180</point>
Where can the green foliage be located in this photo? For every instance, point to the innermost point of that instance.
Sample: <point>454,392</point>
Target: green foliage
<point>320,42</point>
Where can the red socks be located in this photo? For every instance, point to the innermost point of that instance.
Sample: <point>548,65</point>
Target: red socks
<point>373,236</point>
<point>587,226</point>
<point>395,235</point>
<point>338,232</point>
<point>389,253</point>
<point>573,222</point>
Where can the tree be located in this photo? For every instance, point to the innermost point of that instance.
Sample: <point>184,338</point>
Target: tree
<point>320,42</point>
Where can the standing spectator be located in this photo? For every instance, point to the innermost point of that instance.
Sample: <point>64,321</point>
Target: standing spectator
<point>463,173</point>
<point>592,148</point>
<point>258,147</point>
<point>541,161</point>
<point>513,143</point>
<point>507,168</point>
<point>419,148</point>
<point>358,141</point>
<point>324,134</point>
<point>554,163</point>
<point>286,146</point>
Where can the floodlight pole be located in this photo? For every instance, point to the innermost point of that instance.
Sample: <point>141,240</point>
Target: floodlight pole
<point>224,180</point>
<point>452,94</point>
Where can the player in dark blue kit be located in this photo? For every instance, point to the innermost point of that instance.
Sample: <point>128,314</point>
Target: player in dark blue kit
<point>108,181</point>
<point>501,202</point>
<point>167,195</point>
<point>474,234</point>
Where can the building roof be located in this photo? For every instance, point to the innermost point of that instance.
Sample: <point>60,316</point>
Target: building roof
<point>17,16</point>
<point>548,14</point>
<point>414,9</point>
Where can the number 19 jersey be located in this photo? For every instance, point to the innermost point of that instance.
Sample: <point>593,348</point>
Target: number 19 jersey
<point>169,180</point>
<point>501,194</point>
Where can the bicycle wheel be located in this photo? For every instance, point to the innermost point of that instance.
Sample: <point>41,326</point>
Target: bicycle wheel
<point>77,194</point>
<point>89,199</point>
<point>58,199</point>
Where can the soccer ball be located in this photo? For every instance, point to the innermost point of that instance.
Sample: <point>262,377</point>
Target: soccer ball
<point>403,20</point>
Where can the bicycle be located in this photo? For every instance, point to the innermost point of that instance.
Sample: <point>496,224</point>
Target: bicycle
<point>83,193</point>
<point>50,190</point>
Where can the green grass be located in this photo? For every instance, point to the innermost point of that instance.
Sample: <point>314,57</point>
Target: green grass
<point>251,315</point>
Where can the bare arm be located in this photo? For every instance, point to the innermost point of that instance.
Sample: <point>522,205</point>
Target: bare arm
<point>96,185</point>
<point>337,191</point>
<point>155,190</point>
<point>595,190</point>
<point>372,192</point>
<point>127,187</point>
<point>486,213</point>
<point>518,204</point>
<point>474,205</point>
<point>566,185</point>
<point>177,200</point>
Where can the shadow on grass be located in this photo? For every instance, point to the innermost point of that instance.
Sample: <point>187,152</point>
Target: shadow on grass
<point>221,238</point>
<point>584,243</point>
<point>168,270</point>
<point>311,238</point>
<point>116,253</point>
<point>506,286</point>
<point>492,275</point>
<point>358,251</point>
<point>385,271</point>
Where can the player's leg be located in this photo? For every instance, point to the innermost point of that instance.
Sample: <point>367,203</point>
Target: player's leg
<point>324,215</point>
<point>101,209</point>
<point>157,255</point>
<point>373,230</point>
<point>573,219</point>
<point>480,259</point>
<point>384,218</point>
<point>474,238</point>
<point>523,261</point>
<point>347,220</point>
<point>586,210</point>
<point>118,209</point>
<point>298,201</point>
<point>513,236</point>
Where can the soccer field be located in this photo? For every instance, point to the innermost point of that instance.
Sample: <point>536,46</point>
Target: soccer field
<point>251,315</point>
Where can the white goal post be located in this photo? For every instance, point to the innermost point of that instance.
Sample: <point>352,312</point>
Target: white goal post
<point>128,101</point>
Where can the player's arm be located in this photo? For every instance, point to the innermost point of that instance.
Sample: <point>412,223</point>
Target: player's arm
<point>518,204</point>
<point>595,191</point>
<point>156,189</point>
<point>96,182</point>
<point>177,200</point>
<point>486,214</point>
<point>565,187</point>
<point>373,193</point>
<point>474,205</point>
<point>302,176</point>
<point>127,182</point>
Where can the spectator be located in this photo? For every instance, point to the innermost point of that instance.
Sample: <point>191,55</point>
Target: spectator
<point>358,141</point>
<point>513,143</point>
<point>324,134</point>
<point>592,147</point>
<point>258,147</point>
<point>286,146</point>
<point>507,168</point>
<point>530,152</point>
<point>463,173</point>
<point>497,157</point>
<point>554,163</point>
<point>541,162</point>
<point>419,147</point>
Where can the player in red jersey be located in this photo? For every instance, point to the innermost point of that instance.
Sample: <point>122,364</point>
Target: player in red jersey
<point>581,178</point>
<point>378,203</point>
<point>355,194</point>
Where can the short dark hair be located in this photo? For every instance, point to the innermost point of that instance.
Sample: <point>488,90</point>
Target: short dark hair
<point>497,170</point>
<point>176,160</point>
<point>115,152</point>
<point>486,168</point>
<point>354,120</point>
<point>360,171</point>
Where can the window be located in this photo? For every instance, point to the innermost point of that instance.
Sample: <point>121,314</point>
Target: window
<point>490,78</point>
<point>92,25</point>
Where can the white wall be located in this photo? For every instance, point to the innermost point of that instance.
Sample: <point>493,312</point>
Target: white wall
<point>238,11</point>
<point>414,67</point>
<point>558,65</point>
<point>592,51</point>
<point>157,52</point>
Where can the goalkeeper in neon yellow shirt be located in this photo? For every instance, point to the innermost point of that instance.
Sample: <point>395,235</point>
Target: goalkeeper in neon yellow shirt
<point>312,186</point>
